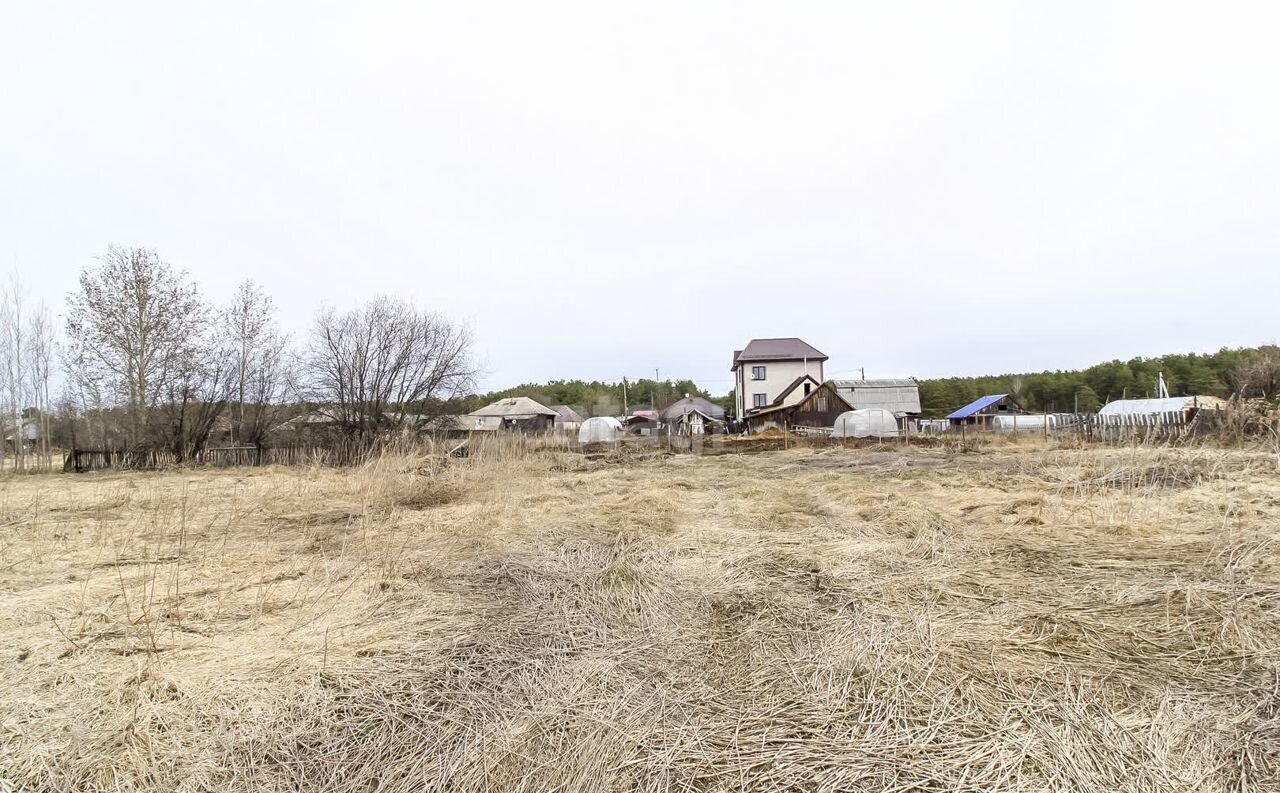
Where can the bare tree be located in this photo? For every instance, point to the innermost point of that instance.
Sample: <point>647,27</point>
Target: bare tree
<point>13,350</point>
<point>197,396</point>
<point>40,331</point>
<point>132,328</point>
<point>84,399</point>
<point>373,366</point>
<point>261,363</point>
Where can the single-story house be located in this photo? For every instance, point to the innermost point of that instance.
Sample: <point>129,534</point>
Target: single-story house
<point>980,410</point>
<point>693,416</point>
<point>899,396</point>
<point>516,413</point>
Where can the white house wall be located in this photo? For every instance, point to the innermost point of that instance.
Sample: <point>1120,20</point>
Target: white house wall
<point>778,375</point>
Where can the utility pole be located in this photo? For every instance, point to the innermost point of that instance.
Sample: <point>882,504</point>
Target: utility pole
<point>862,372</point>
<point>624,396</point>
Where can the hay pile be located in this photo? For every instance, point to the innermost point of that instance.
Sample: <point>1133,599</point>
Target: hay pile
<point>1011,621</point>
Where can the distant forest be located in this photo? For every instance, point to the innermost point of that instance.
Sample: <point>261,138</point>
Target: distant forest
<point>1253,370</point>
<point>596,398</point>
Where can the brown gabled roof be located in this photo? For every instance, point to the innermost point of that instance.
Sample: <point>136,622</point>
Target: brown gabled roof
<point>775,407</point>
<point>789,349</point>
<point>794,385</point>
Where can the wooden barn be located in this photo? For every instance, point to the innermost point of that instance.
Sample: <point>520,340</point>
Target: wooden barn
<point>819,409</point>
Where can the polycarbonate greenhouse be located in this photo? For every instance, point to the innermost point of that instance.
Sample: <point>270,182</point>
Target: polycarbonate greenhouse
<point>868,423</point>
<point>600,429</point>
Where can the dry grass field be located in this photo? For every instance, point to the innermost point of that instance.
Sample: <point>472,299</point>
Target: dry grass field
<point>808,620</point>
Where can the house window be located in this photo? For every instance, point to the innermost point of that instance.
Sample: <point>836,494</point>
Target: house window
<point>759,400</point>
<point>757,373</point>
<point>807,388</point>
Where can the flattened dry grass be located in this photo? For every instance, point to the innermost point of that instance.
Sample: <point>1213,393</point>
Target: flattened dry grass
<point>874,619</point>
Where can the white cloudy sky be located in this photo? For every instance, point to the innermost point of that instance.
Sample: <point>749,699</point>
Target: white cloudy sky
<point>606,189</point>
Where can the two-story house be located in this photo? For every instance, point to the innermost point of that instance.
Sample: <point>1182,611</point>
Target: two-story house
<point>766,369</point>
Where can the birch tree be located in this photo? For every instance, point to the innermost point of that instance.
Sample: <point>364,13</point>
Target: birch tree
<point>41,335</point>
<point>133,327</point>
<point>13,350</point>
<point>262,371</point>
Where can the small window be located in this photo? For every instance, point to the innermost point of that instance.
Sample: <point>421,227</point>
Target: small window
<point>807,388</point>
<point>759,400</point>
<point>757,373</point>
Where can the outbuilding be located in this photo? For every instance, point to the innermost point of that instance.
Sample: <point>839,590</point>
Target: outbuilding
<point>899,396</point>
<point>818,410</point>
<point>567,419</point>
<point>981,410</point>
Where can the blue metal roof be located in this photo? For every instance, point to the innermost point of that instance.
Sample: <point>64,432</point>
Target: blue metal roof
<point>976,405</point>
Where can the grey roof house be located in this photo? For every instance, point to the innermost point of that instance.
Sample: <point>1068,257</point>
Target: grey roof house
<point>520,413</point>
<point>692,415</point>
<point>766,368</point>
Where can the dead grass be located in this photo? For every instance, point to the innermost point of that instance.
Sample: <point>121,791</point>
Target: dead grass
<point>531,619</point>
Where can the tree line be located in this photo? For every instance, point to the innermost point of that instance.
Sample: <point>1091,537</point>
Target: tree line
<point>1251,372</point>
<point>596,397</point>
<point>151,363</point>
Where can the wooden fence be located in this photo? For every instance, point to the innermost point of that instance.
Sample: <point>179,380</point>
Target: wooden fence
<point>1171,427</point>
<point>81,460</point>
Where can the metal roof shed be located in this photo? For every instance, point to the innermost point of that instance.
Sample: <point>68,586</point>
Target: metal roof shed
<point>982,408</point>
<point>900,396</point>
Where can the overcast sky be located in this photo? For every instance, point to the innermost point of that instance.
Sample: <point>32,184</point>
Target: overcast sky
<point>605,189</point>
